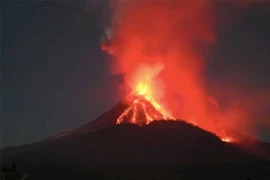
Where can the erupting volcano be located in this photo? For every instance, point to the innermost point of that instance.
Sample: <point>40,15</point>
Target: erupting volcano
<point>173,119</point>
<point>161,58</point>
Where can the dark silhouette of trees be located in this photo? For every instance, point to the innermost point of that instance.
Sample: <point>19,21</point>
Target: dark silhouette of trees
<point>12,173</point>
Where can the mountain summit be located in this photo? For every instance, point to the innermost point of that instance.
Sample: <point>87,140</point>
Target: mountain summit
<point>135,108</point>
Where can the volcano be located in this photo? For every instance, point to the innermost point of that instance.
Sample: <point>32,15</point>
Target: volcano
<point>136,139</point>
<point>137,109</point>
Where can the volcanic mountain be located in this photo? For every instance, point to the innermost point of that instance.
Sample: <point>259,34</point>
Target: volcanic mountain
<point>138,140</point>
<point>135,109</point>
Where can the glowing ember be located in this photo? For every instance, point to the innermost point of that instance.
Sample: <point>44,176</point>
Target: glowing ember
<point>226,139</point>
<point>143,109</point>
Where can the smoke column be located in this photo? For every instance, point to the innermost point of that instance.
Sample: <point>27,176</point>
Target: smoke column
<point>167,43</point>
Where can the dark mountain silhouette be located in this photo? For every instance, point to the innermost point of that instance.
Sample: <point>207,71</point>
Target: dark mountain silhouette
<point>101,149</point>
<point>109,118</point>
<point>105,120</point>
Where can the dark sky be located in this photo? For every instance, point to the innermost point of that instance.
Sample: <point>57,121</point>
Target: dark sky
<point>55,77</point>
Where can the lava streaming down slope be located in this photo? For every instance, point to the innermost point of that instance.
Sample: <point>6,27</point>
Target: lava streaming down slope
<point>142,109</point>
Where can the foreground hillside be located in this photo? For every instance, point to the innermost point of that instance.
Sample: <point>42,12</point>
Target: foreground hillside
<point>160,150</point>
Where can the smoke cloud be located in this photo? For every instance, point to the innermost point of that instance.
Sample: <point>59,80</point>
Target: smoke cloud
<point>167,44</point>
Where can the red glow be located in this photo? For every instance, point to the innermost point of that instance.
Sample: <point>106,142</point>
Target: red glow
<point>161,47</point>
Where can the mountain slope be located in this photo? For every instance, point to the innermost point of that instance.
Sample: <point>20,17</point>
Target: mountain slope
<point>170,146</point>
<point>112,147</point>
<point>136,109</point>
<point>105,120</point>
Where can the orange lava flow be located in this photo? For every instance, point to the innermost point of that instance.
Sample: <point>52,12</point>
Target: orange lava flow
<point>143,109</point>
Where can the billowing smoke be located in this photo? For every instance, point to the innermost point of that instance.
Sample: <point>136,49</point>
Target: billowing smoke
<point>166,44</point>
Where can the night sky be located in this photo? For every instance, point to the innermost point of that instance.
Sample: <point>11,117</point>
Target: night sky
<point>55,77</point>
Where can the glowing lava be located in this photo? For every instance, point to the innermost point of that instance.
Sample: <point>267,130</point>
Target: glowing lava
<point>143,109</point>
<point>226,139</point>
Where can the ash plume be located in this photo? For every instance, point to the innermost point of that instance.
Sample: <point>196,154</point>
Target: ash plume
<point>179,36</point>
